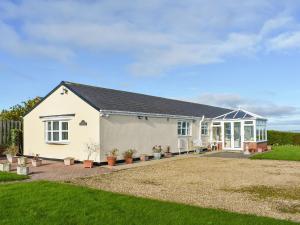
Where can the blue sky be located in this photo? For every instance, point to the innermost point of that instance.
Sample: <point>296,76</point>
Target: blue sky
<point>226,53</point>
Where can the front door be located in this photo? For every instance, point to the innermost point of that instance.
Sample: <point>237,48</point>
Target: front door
<point>232,135</point>
<point>237,135</point>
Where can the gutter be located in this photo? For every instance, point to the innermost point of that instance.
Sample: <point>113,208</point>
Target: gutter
<point>200,129</point>
<point>106,113</point>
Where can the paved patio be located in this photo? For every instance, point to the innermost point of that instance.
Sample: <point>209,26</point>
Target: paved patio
<point>57,171</point>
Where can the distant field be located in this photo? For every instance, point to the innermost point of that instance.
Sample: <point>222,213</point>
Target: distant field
<point>284,152</point>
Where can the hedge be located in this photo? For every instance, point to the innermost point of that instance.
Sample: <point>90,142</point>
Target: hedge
<point>283,138</point>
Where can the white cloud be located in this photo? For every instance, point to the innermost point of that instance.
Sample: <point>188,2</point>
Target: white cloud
<point>158,35</point>
<point>260,107</point>
<point>285,41</point>
<point>13,43</point>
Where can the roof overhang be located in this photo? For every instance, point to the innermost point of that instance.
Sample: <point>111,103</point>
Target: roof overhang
<point>156,115</point>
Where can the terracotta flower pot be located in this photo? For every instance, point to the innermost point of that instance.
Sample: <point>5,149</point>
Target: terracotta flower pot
<point>88,163</point>
<point>144,157</point>
<point>128,160</point>
<point>111,160</point>
<point>168,155</point>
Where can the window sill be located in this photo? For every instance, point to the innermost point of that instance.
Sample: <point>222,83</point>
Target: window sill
<point>184,135</point>
<point>262,141</point>
<point>57,142</point>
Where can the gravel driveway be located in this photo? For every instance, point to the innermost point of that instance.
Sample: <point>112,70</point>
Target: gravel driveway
<point>205,181</point>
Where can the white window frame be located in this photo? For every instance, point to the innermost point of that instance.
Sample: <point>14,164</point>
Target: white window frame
<point>249,124</point>
<point>217,125</point>
<point>204,128</point>
<point>261,131</point>
<point>60,132</point>
<point>188,128</point>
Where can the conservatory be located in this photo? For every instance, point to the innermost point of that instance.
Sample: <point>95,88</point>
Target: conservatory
<point>238,130</point>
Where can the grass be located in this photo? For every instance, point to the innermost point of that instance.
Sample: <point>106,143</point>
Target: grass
<point>284,152</point>
<point>264,192</point>
<point>5,177</point>
<point>54,203</point>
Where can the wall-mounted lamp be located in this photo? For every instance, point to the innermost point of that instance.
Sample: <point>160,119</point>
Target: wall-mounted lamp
<point>64,91</point>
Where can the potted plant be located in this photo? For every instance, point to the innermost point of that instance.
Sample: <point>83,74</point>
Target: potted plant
<point>69,161</point>
<point>128,156</point>
<point>22,169</point>
<point>92,149</point>
<point>5,167</point>
<point>157,149</point>
<point>168,153</point>
<point>36,161</point>
<point>11,153</point>
<point>112,157</point>
<point>22,160</point>
<point>144,157</point>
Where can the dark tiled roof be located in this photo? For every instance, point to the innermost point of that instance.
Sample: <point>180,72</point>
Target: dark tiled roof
<point>109,99</point>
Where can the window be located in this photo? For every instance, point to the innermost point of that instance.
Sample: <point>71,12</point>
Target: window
<point>249,133</point>
<point>261,130</point>
<point>183,128</point>
<point>217,134</point>
<point>57,131</point>
<point>204,129</point>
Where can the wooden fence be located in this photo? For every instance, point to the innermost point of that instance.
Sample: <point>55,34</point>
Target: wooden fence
<point>5,127</point>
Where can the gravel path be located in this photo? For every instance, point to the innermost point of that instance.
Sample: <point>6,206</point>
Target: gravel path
<point>203,181</point>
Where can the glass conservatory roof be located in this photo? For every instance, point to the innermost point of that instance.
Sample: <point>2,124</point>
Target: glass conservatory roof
<point>238,114</point>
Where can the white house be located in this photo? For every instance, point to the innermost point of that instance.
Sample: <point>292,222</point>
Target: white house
<point>72,115</point>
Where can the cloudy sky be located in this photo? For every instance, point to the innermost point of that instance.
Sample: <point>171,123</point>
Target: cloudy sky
<point>227,53</point>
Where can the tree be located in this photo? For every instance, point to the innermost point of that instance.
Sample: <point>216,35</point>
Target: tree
<point>17,112</point>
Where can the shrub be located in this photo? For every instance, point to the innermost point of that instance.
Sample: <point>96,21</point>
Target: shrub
<point>129,153</point>
<point>283,138</point>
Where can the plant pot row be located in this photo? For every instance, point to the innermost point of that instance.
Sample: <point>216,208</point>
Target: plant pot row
<point>112,160</point>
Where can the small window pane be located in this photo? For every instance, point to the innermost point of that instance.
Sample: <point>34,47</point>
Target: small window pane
<point>55,136</point>
<point>65,136</point>
<point>64,125</point>
<point>49,136</point>
<point>249,133</point>
<point>56,125</point>
<point>49,125</point>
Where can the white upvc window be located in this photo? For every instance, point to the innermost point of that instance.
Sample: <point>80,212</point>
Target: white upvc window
<point>204,129</point>
<point>249,131</point>
<point>261,130</point>
<point>56,131</point>
<point>183,128</point>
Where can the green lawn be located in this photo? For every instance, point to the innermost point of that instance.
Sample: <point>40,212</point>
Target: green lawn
<point>5,177</point>
<point>284,152</point>
<point>53,203</point>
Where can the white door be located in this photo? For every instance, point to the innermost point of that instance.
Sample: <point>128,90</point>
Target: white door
<point>232,139</point>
